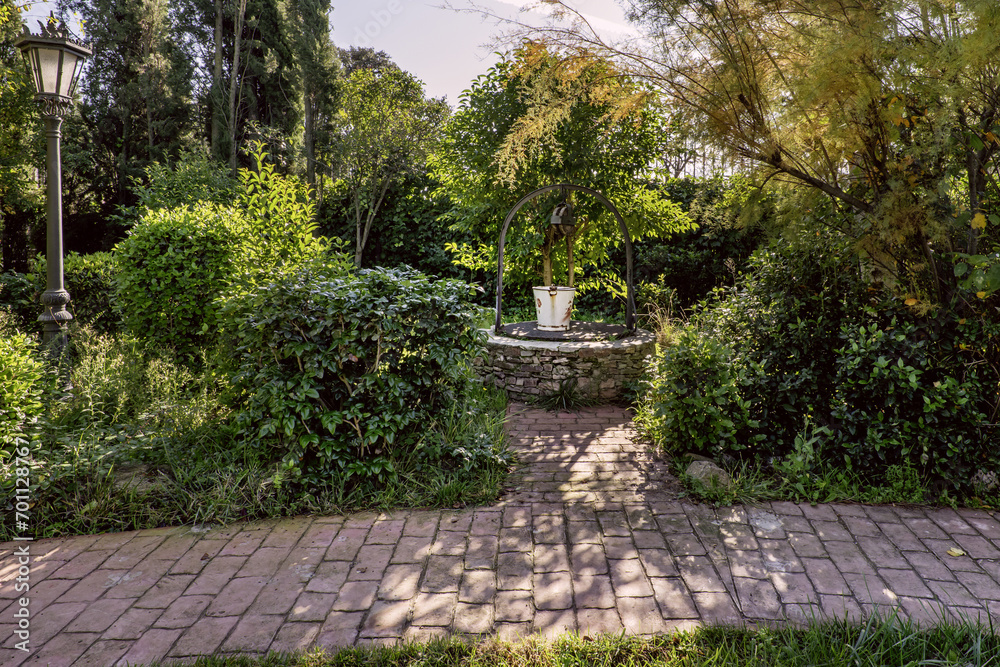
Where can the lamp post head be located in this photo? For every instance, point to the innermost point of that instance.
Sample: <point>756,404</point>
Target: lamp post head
<point>56,62</point>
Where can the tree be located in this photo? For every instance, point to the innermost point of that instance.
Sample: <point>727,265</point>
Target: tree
<point>320,69</point>
<point>533,121</point>
<point>19,200</point>
<point>889,108</point>
<point>384,129</point>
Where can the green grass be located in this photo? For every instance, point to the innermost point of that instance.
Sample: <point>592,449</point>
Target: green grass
<point>880,640</point>
<point>143,440</point>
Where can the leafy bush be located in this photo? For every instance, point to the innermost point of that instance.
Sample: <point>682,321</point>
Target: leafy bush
<point>897,403</point>
<point>19,299</point>
<point>177,263</point>
<point>90,281</point>
<point>693,403</point>
<point>21,389</point>
<point>173,265</point>
<point>345,367</point>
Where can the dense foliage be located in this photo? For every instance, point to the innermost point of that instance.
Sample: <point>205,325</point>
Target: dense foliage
<point>802,352</point>
<point>346,366</point>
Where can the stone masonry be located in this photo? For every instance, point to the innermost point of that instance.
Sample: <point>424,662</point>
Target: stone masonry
<point>603,369</point>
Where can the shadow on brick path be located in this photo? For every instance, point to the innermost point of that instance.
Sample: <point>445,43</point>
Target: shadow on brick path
<point>592,537</point>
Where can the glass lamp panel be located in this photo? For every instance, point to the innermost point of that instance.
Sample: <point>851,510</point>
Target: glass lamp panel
<point>71,66</point>
<point>47,67</point>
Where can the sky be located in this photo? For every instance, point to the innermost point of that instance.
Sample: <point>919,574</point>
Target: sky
<point>445,48</point>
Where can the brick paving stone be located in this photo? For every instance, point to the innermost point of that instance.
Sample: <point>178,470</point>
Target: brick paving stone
<point>449,543</point>
<point>486,522</point>
<point>870,589</point>
<point>48,622</point>
<point>264,562</point>
<point>786,508</point>
<point>831,531</point>
<point>551,624</point>
<point>386,531</point>
<point>150,647</point>
<point>459,521</point>
<point>745,564</point>
<point>962,563</point>
<point>640,518</point>
<point>244,543</point>
<point>253,633</point>
<point>739,537</point>
<point>861,526</point>
<point>599,621</point>
<point>328,577</point>
<point>673,598</point>
<point>421,524</point>
<point>699,575</point>
<point>356,596</point>
<point>778,556</point>
<point>386,618</point>
<point>840,606</point>
<point>91,587</point>
<point>658,563</point>
<point>983,585</point>
<point>902,537</point>
<point>593,591</point>
<point>481,552</point>
<point>806,545</point>
<point>552,590</point>
<point>515,539</point>
<point>882,514</point>
<point>443,574</point>
<point>514,571</point>
<point>236,597</point>
<point>929,566</point>
<point>340,629</point>
<point>986,524</point>
<point>204,637</point>
<point>46,592</point>
<point>649,539</point>
<point>818,512</point>
<point>797,524</point>
<point>515,516</point>
<point>793,587</point>
<point>279,594</point>
<point>287,532</point>
<point>614,523</point>
<point>372,559</point>
<point>881,552</point>
<point>400,582</point>
<point>549,528</point>
<point>825,576</point>
<point>98,616</point>
<point>849,558</point>
<point>434,608</point>
<point>132,624</point>
<point>630,579</point>
<point>81,565</point>
<point>905,582</point>
<point>183,611</point>
<point>312,606</point>
<point>412,549</point>
<point>976,546</point>
<point>514,607</point>
<point>950,521</point>
<point>64,650</point>
<point>716,607</point>
<point>953,593</point>
<point>216,575</point>
<point>550,558</point>
<point>620,548</point>
<point>198,556</point>
<point>295,637</point>
<point>478,586</point>
<point>344,546</point>
<point>473,619</point>
<point>758,598</point>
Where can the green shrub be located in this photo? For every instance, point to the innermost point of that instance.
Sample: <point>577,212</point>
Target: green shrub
<point>898,403</point>
<point>90,281</point>
<point>176,264</point>
<point>19,299</point>
<point>172,267</point>
<point>345,368</point>
<point>693,403</point>
<point>21,389</point>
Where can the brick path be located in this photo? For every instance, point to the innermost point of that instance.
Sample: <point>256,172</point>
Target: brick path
<point>592,538</point>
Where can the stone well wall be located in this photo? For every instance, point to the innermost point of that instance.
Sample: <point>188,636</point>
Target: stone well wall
<point>531,368</point>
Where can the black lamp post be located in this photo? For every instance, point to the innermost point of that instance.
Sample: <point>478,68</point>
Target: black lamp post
<point>55,63</point>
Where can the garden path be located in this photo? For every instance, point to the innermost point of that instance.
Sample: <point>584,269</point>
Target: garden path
<point>592,537</point>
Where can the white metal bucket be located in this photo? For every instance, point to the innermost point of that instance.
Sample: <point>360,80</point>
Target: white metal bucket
<point>554,307</point>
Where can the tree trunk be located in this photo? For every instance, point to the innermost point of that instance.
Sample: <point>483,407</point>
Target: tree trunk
<point>233,85</point>
<point>216,95</point>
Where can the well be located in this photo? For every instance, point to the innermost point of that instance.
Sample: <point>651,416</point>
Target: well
<point>604,359</point>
